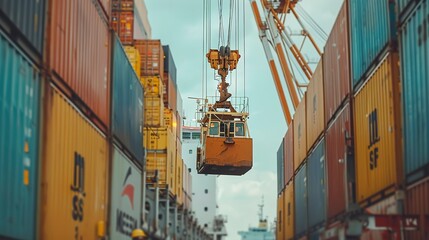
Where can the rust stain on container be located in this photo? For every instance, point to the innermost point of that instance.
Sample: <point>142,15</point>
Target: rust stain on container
<point>315,106</point>
<point>288,155</point>
<point>74,189</point>
<point>336,68</point>
<point>79,53</point>
<point>377,131</point>
<point>417,204</point>
<point>336,150</point>
<point>300,134</point>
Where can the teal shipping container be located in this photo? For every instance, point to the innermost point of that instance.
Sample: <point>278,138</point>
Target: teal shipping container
<point>316,185</point>
<point>280,168</point>
<point>301,207</point>
<point>415,74</point>
<point>405,7</point>
<point>127,103</point>
<point>19,138</point>
<point>28,17</point>
<point>372,29</point>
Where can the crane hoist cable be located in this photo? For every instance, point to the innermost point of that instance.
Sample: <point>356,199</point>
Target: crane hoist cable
<point>310,21</point>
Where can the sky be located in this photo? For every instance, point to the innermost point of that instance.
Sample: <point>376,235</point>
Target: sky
<point>179,24</point>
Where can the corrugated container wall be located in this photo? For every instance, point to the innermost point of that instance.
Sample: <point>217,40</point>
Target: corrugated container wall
<point>107,7</point>
<point>280,168</point>
<point>405,7</point>
<point>125,203</point>
<point>157,162</point>
<point>156,139</point>
<point>123,25</point>
<point>134,58</point>
<point>288,154</point>
<point>127,103</point>
<point>415,75</point>
<point>152,57</point>
<point>152,86</point>
<point>377,129</point>
<point>30,20</point>
<point>316,185</point>
<point>171,93</point>
<point>315,106</point>
<point>19,142</point>
<point>153,111</point>
<point>169,65</point>
<point>289,211</point>
<point>280,231</point>
<point>301,201</point>
<point>336,150</point>
<point>336,67</point>
<point>372,28</point>
<point>74,173</point>
<point>299,135</point>
<point>417,204</point>
<point>78,47</point>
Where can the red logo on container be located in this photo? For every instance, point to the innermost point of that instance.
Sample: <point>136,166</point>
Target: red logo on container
<point>128,189</point>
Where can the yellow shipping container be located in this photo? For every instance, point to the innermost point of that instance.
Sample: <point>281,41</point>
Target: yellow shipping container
<point>377,130</point>
<point>299,134</point>
<point>157,162</point>
<point>134,57</point>
<point>172,155</point>
<point>315,106</point>
<point>168,117</point>
<point>153,86</point>
<point>280,230</point>
<point>156,139</point>
<point>153,112</point>
<point>179,179</point>
<point>74,182</point>
<point>289,207</point>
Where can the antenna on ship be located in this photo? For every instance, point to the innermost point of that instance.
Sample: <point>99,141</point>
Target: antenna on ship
<point>261,209</point>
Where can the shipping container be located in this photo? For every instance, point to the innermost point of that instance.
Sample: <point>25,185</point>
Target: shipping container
<point>152,86</point>
<point>315,108</point>
<point>156,165</point>
<point>134,58</point>
<point>126,196</point>
<point>288,154</point>
<point>336,152</point>
<point>127,103</point>
<point>280,231</point>
<point>377,129</point>
<point>152,57</point>
<point>405,7</point>
<point>289,211</point>
<point>153,112</point>
<point>169,65</point>
<point>415,75</point>
<point>123,25</point>
<point>29,20</point>
<point>280,168</point>
<point>106,5</point>
<point>336,67</point>
<point>171,93</point>
<point>299,134</point>
<point>168,117</point>
<point>78,53</point>
<point>19,142</point>
<point>122,5</point>
<point>316,185</point>
<point>179,179</point>
<point>416,203</point>
<point>372,29</point>
<point>156,139</point>
<point>74,173</point>
<point>300,187</point>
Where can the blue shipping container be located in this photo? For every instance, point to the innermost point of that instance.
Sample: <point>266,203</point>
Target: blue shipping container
<point>372,28</point>
<point>19,139</point>
<point>127,103</point>
<point>301,201</point>
<point>280,168</point>
<point>169,65</point>
<point>316,185</point>
<point>415,74</point>
<point>29,17</point>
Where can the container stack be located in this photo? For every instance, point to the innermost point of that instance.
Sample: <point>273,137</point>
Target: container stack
<point>123,20</point>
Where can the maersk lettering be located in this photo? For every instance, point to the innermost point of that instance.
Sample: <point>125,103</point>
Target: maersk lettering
<point>125,223</point>
<point>374,138</point>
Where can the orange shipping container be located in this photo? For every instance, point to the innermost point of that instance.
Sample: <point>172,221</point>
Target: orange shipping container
<point>378,131</point>
<point>299,134</point>
<point>123,25</point>
<point>74,189</point>
<point>134,57</point>
<point>315,106</point>
<point>289,218</point>
<point>280,216</point>
<point>79,54</point>
<point>152,57</point>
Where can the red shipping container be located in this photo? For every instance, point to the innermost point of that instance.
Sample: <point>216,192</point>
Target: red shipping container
<point>152,57</point>
<point>417,203</point>
<point>79,54</point>
<point>336,148</point>
<point>123,25</point>
<point>288,154</point>
<point>106,4</point>
<point>336,67</point>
